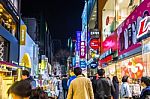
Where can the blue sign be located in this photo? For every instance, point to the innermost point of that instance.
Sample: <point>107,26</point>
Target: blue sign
<point>94,65</point>
<point>73,61</point>
<point>82,64</point>
<point>78,38</point>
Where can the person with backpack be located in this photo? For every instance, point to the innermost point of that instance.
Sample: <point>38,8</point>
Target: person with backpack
<point>103,86</point>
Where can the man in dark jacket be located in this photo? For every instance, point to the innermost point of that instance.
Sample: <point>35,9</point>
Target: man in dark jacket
<point>64,85</point>
<point>103,86</point>
<point>26,76</point>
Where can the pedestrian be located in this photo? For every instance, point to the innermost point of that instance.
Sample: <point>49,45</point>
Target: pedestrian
<point>38,93</point>
<point>72,77</point>
<point>136,89</point>
<point>115,82</point>
<point>64,85</point>
<point>145,82</point>
<point>125,89</point>
<point>20,90</point>
<point>103,86</point>
<point>26,76</point>
<point>94,84</point>
<point>81,87</point>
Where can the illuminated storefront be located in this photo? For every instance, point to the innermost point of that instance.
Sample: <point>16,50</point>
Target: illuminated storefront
<point>133,47</point>
<point>9,23</point>
<point>28,51</point>
<point>130,46</point>
<point>146,55</point>
<point>114,13</point>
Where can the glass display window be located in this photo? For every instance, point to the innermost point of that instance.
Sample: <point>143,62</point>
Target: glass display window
<point>7,21</point>
<point>146,55</point>
<point>133,67</point>
<point>115,12</point>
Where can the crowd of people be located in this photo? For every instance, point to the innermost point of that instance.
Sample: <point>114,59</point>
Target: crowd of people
<point>77,86</point>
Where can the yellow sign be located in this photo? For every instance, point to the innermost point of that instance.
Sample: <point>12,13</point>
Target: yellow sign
<point>23,30</point>
<point>26,61</point>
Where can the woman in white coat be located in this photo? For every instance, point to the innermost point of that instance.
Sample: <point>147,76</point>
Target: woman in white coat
<point>125,91</point>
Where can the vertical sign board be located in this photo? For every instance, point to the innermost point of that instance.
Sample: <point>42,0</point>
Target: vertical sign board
<point>78,40</point>
<point>23,30</point>
<point>82,49</point>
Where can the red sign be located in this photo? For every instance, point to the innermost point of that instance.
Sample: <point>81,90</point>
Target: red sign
<point>106,60</point>
<point>144,27</point>
<point>94,44</point>
<point>110,42</point>
<point>82,49</point>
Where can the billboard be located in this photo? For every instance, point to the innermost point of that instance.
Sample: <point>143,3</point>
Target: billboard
<point>129,30</point>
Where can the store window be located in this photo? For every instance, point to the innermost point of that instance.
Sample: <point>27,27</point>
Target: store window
<point>133,67</point>
<point>4,49</point>
<point>7,21</point>
<point>146,55</point>
<point>115,12</point>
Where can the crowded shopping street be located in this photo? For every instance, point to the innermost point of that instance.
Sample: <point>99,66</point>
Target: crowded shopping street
<point>75,49</point>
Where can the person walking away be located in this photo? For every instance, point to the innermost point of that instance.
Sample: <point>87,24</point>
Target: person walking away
<point>72,77</point>
<point>38,93</point>
<point>125,89</point>
<point>20,90</point>
<point>145,82</point>
<point>103,86</point>
<point>81,87</point>
<point>26,76</point>
<point>115,82</point>
<point>64,85</point>
<point>94,84</point>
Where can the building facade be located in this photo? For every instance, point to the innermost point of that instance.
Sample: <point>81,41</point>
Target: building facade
<point>9,31</point>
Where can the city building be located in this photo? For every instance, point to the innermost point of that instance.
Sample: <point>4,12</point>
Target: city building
<point>9,31</point>
<point>123,50</point>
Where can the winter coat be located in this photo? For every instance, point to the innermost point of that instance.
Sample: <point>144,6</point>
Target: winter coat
<point>116,94</point>
<point>103,88</point>
<point>80,88</point>
<point>70,79</point>
<point>64,83</point>
<point>145,94</point>
<point>125,90</point>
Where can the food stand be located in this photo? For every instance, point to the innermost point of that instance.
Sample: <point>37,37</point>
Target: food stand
<point>8,75</point>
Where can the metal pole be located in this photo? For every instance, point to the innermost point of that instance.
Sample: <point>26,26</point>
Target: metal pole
<point>19,12</point>
<point>87,39</point>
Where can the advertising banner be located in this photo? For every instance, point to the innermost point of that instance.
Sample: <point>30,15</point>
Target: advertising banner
<point>82,64</point>
<point>133,67</point>
<point>110,43</point>
<point>82,49</point>
<point>78,38</point>
<point>23,30</point>
<point>94,44</point>
<point>128,30</point>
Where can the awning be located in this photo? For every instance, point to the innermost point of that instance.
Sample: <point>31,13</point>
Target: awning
<point>7,64</point>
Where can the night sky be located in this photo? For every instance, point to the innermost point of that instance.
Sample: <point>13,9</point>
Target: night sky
<point>63,16</point>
